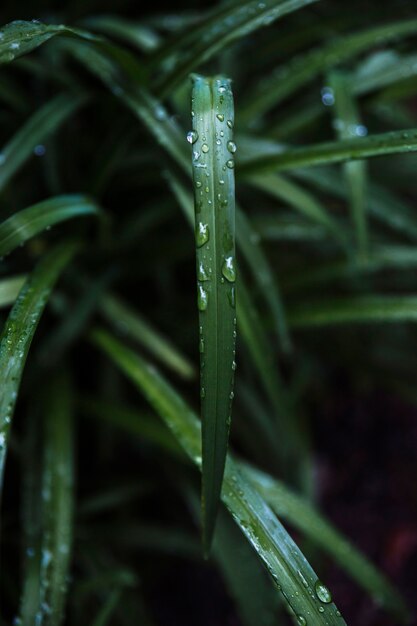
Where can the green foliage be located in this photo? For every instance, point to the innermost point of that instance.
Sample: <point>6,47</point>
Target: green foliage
<point>318,236</point>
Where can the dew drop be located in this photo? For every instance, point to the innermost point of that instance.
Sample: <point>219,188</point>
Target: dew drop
<point>198,184</point>
<point>205,148</point>
<point>231,146</point>
<point>327,96</point>
<point>220,117</point>
<point>301,620</point>
<point>321,609</point>
<point>228,269</point>
<point>229,123</point>
<point>202,298</point>
<point>202,234</point>
<point>322,592</point>
<point>222,89</point>
<point>201,272</point>
<point>230,164</point>
<point>201,346</point>
<point>192,136</point>
<point>232,297</point>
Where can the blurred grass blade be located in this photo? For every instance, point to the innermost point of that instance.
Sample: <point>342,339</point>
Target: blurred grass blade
<point>18,333</point>
<point>37,128</point>
<point>248,241</point>
<point>107,610</point>
<point>237,20</point>
<point>27,223</point>
<point>9,289</point>
<point>306,519</point>
<point>138,35</point>
<point>214,193</point>
<point>57,495</point>
<point>355,309</point>
<point>383,205</point>
<point>133,325</point>
<point>347,123</point>
<point>283,83</point>
<point>300,199</point>
<point>288,567</point>
<point>396,142</point>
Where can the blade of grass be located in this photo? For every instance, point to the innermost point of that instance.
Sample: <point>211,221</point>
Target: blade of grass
<point>300,199</point>
<point>133,325</point>
<point>283,83</point>
<point>242,19</point>
<point>9,289</point>
<point>134,33</point>
<point>396,142</point>
<point>19,330</point>
<point>213,177</point>
<point>306,519</point>
<point>282,557</point>
<point>347,123</point>
<point>27,223</point>
<point>37,128</point>
<point>247,240</point>
<point>357,309</point>
<point>57,495</point>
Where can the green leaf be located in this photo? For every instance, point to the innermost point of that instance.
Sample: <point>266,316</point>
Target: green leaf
<point>19,330</point>
<point>286,81</point>
<point>135,34</point>
<point>57,493</point>
<point>20,37</point>
<point>133,325</point>
<point>37,128</point>
<point>288,567</point>
<point>231,22</point>
<point>9,289</point>
<point>356,309</point>
<point>306,519</point>
<point>214,193</point>
<point>347,123</point>
<point>304,202</point>
<point>27,223</point>
<point>397,142</point>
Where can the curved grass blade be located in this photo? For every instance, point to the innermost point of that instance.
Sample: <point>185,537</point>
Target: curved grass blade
<point>37,128</point>
<point>106,612</point>
<point>27,223</point>
<point>358,309</point>
<point>214,185</point>
<point>306,519</point>
<point>21,37</point>
<point>57,495</point>
<point>19,330</point>
<point>9,289</point>
<point>396,142</point>
<point>284,83</point>
<point>303,201</point>
<point>142,37</point>
<point>237,20</point>
<point>292,573</point>
<point>133,325</point>
<point>288,228</point>
<point>347,123</point>
<point>383,205</point>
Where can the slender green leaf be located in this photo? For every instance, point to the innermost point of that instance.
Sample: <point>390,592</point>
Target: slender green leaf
<point>213,178</point>
<point>19,330</point>
<point>305,518</point>
<point>57,492</point>
<point>356,309</point>
<point>142,37</point>
<point>38,127</point>
<point>289,569</point>
<point>27,223</point>
<point>133,325</point>
<point>287,80</point>
<point>397,142</point>
<point>236,20</point>
<point>9,289</point>
<point>347,123</point>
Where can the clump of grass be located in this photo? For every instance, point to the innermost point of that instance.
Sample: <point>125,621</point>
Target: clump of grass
<point>99,319</point>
